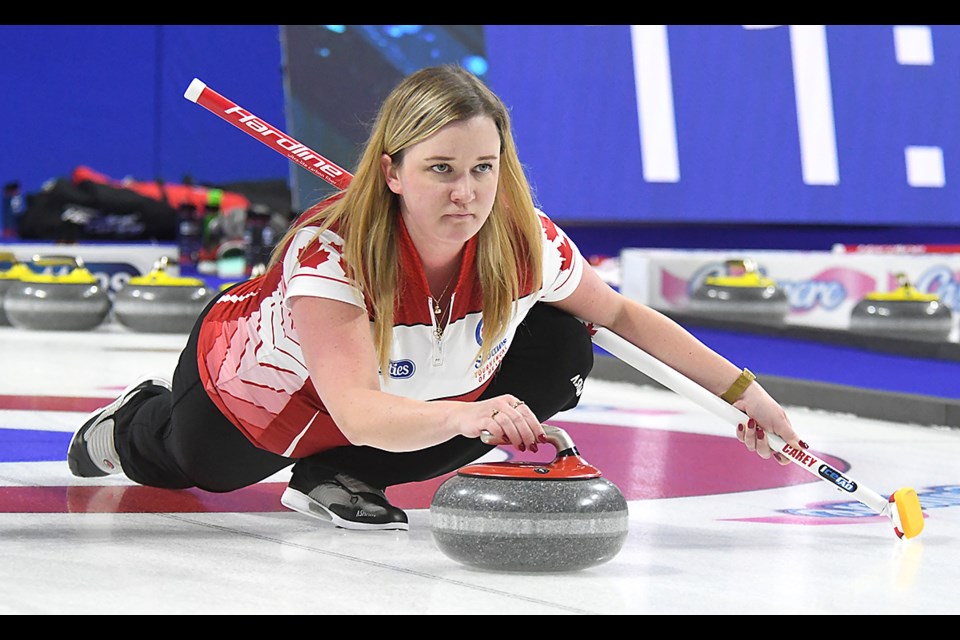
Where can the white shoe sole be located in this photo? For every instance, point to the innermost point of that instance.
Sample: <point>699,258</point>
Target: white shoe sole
<point>82,440</point>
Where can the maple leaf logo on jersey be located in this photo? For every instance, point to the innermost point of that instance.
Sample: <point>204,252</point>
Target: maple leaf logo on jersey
<point>315,258</point>
<point>338,246</point>
<point>564,248</point>
<point>316,253</point>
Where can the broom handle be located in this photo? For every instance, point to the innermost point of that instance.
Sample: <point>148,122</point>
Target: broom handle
<point>676,381</point>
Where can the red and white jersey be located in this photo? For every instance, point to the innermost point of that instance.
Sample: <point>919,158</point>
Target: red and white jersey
<point>253,369</point>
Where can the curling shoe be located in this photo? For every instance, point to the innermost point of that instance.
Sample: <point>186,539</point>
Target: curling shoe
<point>92,452</point>
<point>344,501</point>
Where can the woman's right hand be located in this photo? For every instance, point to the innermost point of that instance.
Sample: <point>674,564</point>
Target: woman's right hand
<point>507,419</point>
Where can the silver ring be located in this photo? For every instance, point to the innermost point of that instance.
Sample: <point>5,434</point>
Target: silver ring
<point>494,414</point>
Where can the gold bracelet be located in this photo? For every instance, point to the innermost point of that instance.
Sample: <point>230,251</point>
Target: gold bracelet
<point>739,385</point>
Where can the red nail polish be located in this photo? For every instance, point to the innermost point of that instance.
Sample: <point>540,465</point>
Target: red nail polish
<point>522,447</point>
<point>759,433</point>
<point>534,447</point>
<point>542,438</point>
<point>739,427</point>
<point>751,423</point>
<point>506,440</point>
<point>804,445</point>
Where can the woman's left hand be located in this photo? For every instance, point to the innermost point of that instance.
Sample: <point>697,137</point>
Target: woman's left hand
<point>765,414</point>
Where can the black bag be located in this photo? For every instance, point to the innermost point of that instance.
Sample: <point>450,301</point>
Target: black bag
<point>66,212</point>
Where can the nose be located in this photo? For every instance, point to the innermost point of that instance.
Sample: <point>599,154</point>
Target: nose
<point>464,190</point>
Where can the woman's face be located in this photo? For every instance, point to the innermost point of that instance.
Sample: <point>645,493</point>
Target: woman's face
<point>447,183</point>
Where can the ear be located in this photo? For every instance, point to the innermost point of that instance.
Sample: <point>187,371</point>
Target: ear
<point>390,174</point>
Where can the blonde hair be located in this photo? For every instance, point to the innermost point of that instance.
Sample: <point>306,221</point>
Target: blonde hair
<point>509,250</point>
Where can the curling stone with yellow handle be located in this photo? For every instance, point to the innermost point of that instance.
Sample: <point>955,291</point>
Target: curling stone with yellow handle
<point>11,271</point>
<point>57,294</point>
<point>902,313</point>
<point>741,293</point>
<point>160,303</point>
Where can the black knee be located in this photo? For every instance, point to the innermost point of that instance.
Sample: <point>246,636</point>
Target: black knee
<point>547,363</point>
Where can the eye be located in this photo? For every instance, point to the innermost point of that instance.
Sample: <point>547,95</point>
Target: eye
<point>440,167</point>
<point>486,167</point>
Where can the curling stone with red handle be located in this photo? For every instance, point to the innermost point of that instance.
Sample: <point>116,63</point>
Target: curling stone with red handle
<point>160,303</point>
<point>530,516</point>
<point>65,296</point>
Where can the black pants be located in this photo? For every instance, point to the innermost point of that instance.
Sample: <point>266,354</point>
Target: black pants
<point>179,439</point>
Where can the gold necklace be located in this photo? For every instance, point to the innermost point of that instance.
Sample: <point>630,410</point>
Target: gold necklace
<point>438,312</point>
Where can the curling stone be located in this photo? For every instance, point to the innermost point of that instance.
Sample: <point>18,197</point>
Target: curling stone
<point>8,276</point>
<point>902,313</point>
<point>530,516</point>
<point>160,303</point>
<point>743,293</point>
<point>71,300</point>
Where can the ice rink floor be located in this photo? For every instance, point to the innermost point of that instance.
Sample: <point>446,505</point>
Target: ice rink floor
<point>712,528</point>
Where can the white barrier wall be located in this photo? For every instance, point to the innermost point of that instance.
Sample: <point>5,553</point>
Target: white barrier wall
<point>822,287</point>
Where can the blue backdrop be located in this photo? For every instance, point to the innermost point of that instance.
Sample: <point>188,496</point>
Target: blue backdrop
<point>573,90</point>
<point>111,97</point>
<point>723,127</point>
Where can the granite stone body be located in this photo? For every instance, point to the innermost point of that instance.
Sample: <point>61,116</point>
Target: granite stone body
<point>925,319</point>
<point>160,308</point>
<point>767,304</point>
<point>56,306</point>
<point>532,525</point>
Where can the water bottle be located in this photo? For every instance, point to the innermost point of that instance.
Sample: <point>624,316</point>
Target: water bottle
<point>210,232</point>
<point>258,237</point>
